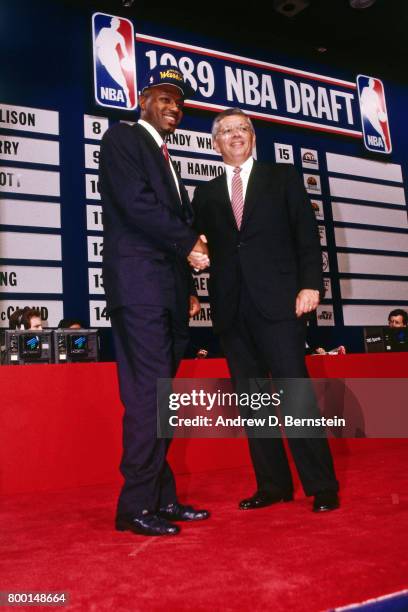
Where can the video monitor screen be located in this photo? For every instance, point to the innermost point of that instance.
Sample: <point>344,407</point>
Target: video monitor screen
<point>78,344</point>
<point>397,337</point>
<point>30,345</point>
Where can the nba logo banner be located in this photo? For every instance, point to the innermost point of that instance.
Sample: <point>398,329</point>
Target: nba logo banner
<point>114,61</point>
<point>374,118</point>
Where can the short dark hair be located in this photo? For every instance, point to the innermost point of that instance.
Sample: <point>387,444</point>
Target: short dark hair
<point>399,312</point>
<point>28,315</point>
<point>66,323</point>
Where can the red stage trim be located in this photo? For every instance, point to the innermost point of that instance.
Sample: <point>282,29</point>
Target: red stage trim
<point>60,425</point>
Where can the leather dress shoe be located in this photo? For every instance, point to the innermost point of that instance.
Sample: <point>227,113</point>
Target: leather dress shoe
<point>263,498</point>
<point>325,501</point>
<point>146,524</point>
<point>179,512</point>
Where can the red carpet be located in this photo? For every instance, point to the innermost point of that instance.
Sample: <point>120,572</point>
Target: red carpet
<point>281,558</point>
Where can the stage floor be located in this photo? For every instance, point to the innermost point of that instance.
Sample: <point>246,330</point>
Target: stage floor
<point>60,425</point>
<point>282,558</point>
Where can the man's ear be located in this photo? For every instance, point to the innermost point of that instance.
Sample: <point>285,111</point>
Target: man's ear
<point>215,145</point>
<point>142,101</point>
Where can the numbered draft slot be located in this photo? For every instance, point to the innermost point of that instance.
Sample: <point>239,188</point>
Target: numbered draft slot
<point>98,316</point>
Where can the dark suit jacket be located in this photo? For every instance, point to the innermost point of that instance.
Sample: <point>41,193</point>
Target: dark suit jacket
<point>147,233</point>
<point>276,252</point>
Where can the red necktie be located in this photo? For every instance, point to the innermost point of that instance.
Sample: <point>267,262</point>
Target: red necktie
<point>237,196</point>
<point>165,152</point>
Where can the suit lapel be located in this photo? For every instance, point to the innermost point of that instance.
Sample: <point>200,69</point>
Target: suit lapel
<point>254,188</point>
<point>171,183</point>
<point>185,198</point>
<point>162,166</point>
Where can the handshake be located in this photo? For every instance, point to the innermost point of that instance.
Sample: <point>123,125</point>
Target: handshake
<point>198,258</point>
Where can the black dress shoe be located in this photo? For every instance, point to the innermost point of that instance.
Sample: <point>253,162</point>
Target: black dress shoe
<point>146,524</point>
<point>263,498</point>
<point>178,512</point>
<point>325,501</point>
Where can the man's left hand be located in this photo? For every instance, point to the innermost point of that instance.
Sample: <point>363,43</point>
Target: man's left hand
<point>307,300</point>
<point>195,306</point>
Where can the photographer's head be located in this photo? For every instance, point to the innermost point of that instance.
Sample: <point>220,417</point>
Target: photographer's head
<point>31,319</point>
<point>398,318</point>
<point>25,318</point>
<point>70,324</point>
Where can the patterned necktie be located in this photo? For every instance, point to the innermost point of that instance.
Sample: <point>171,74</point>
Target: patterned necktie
<point>237,196</point>
<point>165,152</point>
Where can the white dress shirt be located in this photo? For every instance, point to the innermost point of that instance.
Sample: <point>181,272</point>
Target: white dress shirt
<point>159,140</point>
<point>246,168</point>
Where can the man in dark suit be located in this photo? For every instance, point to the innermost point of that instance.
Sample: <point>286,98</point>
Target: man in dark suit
<point>266,273</point>
<point>149,291</point>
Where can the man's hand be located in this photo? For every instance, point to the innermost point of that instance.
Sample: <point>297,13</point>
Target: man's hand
<point>306,301</point>
<point>195,306</point>
<point>198,258</point>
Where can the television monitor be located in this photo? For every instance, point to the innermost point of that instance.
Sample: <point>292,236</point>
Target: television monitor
<point>384,339</point>
<point>76,345</point>
<point>23,347</point>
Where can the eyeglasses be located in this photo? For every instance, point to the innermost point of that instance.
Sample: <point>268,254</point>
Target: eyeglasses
<point>241,129</point>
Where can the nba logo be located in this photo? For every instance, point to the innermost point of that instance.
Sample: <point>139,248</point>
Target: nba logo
<point>114,61</point>
<point>374,116</point>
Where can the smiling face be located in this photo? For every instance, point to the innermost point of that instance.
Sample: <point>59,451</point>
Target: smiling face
<point>162,107</point>
<point>234,139</point>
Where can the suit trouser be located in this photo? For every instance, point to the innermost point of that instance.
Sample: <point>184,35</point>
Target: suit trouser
<point>149,344</point>
<point>256,347</point>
